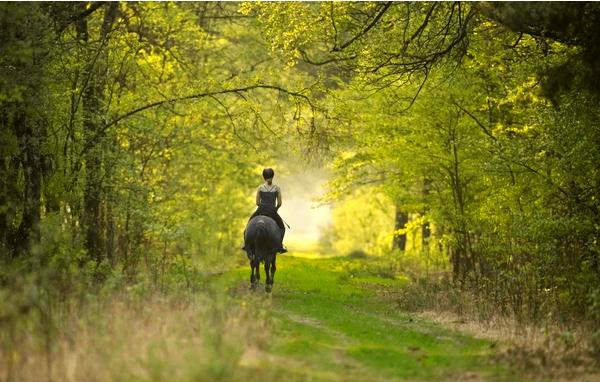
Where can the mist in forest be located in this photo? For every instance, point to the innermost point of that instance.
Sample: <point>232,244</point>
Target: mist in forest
<point>301,209</point>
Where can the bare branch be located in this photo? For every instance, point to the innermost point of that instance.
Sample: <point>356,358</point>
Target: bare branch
<point>93,7</point>
<point>206,94</point>
<point>518,40</point>
<point>365,30</point>
<point>485,130</point>
<point>309,60</point>
<point>419,31</point>
<point>91,142</point>
<point>332,16</point>
<point>232,121</point>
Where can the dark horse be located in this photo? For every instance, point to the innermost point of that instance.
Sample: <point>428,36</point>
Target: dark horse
<point>262,238</point>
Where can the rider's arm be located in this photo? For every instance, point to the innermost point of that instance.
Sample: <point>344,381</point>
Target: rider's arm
<point>278,198</point>
<point>258,196</point>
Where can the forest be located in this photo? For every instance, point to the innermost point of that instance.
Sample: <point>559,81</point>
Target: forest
<point>455,145</point>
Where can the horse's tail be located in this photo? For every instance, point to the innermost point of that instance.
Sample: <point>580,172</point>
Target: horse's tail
<point>261,232</point>
<point>264,243</point>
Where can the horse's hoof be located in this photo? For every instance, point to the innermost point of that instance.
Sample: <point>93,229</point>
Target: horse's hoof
<point>268,288</point>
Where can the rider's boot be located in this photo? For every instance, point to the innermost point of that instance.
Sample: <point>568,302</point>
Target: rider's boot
<point>282,249</point>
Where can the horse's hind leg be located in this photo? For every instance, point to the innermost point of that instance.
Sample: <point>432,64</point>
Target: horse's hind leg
<point>268,281</point>
<point>270,271</point>
<point>251,276</point>
<point>273,269</point>
<point>255,274</point>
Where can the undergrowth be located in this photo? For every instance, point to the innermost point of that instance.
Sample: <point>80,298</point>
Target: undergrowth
<point>62,324</point>
<point>548,346</point>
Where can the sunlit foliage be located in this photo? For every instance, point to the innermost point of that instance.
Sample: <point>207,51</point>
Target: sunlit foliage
<point>470,130</point>
<point>463,136</point>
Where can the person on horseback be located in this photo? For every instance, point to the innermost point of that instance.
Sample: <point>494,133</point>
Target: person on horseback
<point>268,201</point>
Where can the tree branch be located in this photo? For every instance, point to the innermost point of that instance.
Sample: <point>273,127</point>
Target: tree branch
<point>90,143</point>
<point>309,60</point>
<point>94,6</point>
<point>206,94</point>
<point>233,126</point>
<point>485,130</point>
<point>365,30</point>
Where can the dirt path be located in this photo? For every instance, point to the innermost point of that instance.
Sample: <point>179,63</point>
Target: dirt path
<point>331,328</point>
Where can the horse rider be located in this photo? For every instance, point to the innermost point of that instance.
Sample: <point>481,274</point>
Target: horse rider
<point>268,201</point>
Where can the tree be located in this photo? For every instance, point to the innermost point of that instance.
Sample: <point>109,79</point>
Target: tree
<point>26,31</point>
<point>448,98</point>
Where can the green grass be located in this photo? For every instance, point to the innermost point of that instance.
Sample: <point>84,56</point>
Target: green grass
<point>330,325</point>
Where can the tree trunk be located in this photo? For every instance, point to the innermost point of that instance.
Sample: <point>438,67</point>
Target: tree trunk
<point>30,137</point>
<point>23,134</point>
<point>463,263</point>
<point>93,96</point>
<point>52,197</point>
<point>10,194</point>
<point>425,228</point>
<point>399,241</point>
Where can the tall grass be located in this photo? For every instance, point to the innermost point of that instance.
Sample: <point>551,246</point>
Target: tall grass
<point>150,338</point>
<point>62,319</point>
